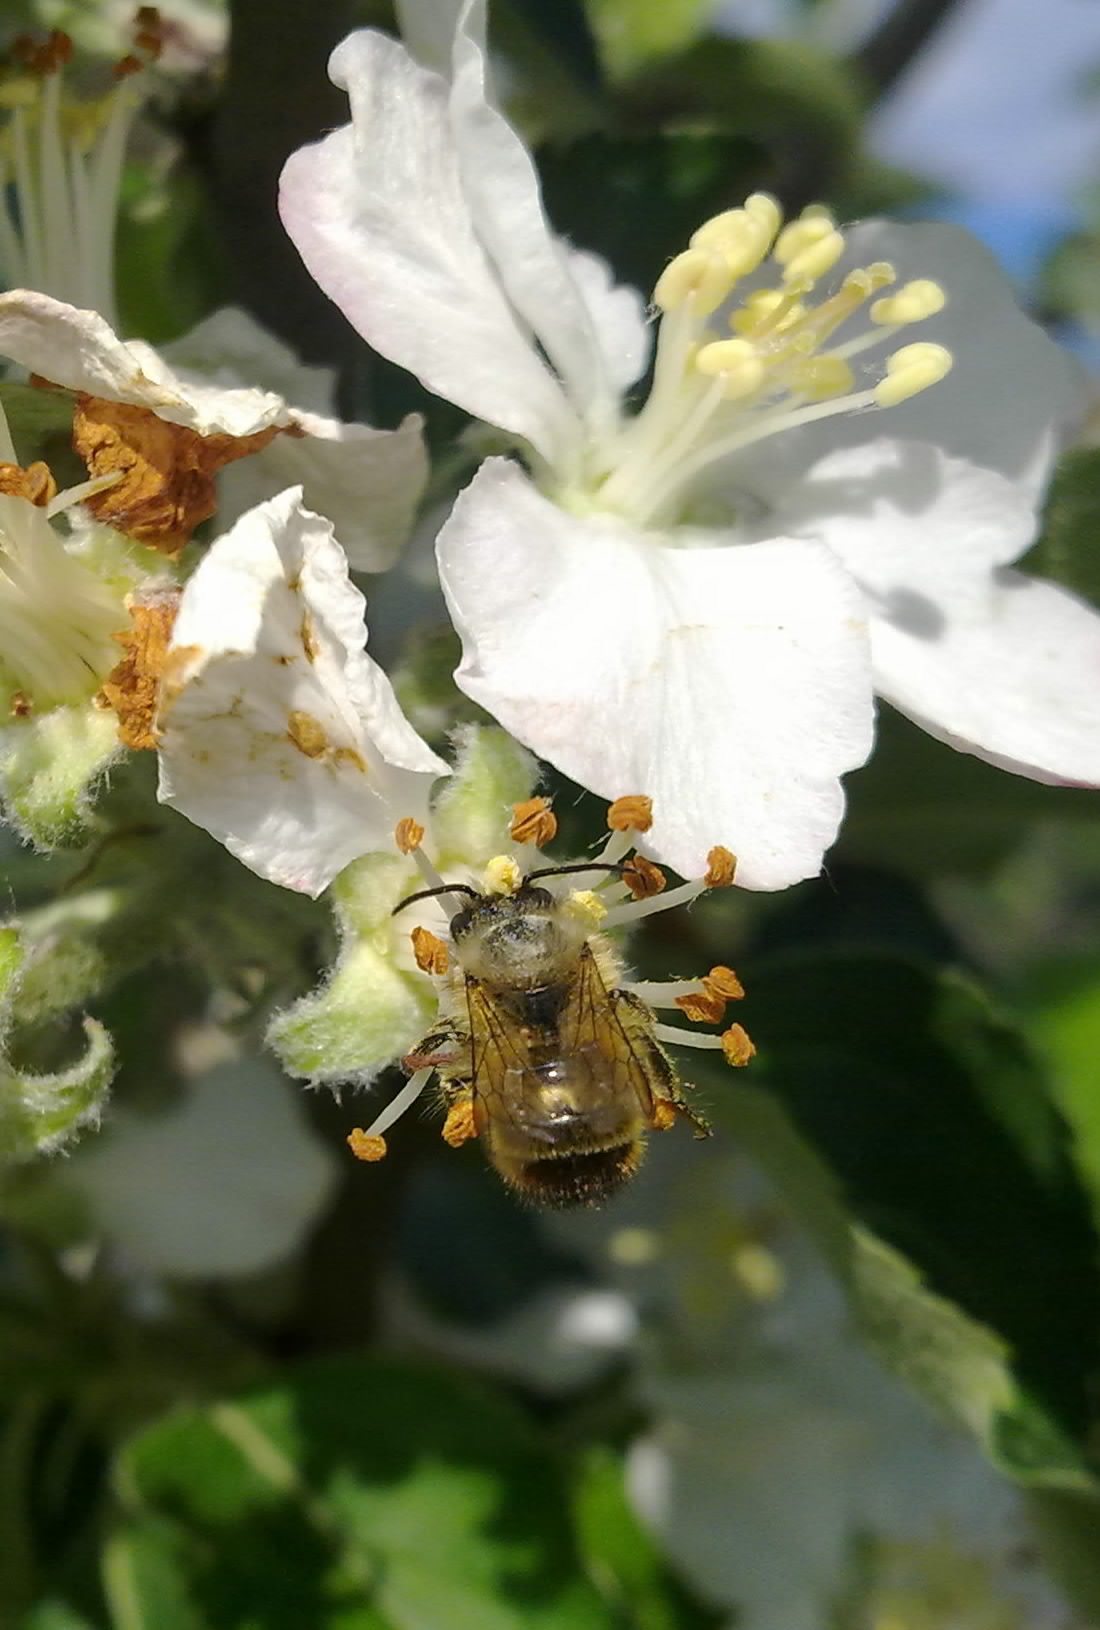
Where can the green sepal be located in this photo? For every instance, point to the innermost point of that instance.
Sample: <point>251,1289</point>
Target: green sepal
<point>49,769</point>
<point>40,1114</point>
<point>374,1004</point>
<point>367,1014</point>
<point>472,810</point>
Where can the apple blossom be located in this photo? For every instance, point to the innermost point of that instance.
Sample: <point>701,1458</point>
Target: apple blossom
<point>278,733</point>
<point>701,601</point>
<point>66,586</point>
<point>61,168</point>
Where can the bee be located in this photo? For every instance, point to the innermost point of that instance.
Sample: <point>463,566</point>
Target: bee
<point>544,1049</point>
<point>542,1052</point>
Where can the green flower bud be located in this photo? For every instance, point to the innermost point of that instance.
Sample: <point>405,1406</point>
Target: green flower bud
<point>472,810</point>
<point>39,1114</point>
<point>376,1003</point>
<point>367,1014</point>
<point>49,766</point>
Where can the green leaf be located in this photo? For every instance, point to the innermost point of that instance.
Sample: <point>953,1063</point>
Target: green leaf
<point>1068,547</point>
<point>357,1493</point>
<point>940,1181</point>
<point>145,1581</point>
<point>55,1615</point>
<point>1065,1024</point>
<point>785,92</point>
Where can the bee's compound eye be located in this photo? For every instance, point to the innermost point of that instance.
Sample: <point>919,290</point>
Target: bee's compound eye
<point>536,899</point>
<point>460,923</point>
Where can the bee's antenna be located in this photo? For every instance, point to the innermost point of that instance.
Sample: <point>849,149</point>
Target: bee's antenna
<point>586,866</point>
<point>429,894</point>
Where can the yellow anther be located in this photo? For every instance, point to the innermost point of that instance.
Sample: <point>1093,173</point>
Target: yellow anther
<point>408,835</point>
<point>365,1147</point>
<point>533,821</point>
<point>429,953</point>
<point>502,875</point>
<point>642,877</point>
<point>736,363</point>
<point>721,866</point>
<point>910,371</point>
<point>587,905</point>
<point>822,377</point>
<point>817,258</point>
<point>737,1046</point>
<point>742,237</point>
<point>633,812</point>
<point>814,224</point>
<point>770,309</point>
<point>911,304</point>
<point>716,232</point>
<point>765,211</point>
<point>700,276</point>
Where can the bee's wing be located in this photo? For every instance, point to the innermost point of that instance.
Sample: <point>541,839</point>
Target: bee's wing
<point>592,1022</point>
<point>500,1059</point>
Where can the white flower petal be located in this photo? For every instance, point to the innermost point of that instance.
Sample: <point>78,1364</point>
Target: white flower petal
<point>1011,399</point>
<point>1011,386</point>
<point>501,187</point>
<point>886,506</point>
<point>80,351</point>
<point>230,346</point>
<point>280,735</point>
<point>730,685</point>
<point>225,1182</point>
<point>379,215</point>
<point>991,661</point>
<point>618,317</point>
<point>368,482</point>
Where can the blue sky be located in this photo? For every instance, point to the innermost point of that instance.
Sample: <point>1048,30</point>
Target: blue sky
<point>995,109</point>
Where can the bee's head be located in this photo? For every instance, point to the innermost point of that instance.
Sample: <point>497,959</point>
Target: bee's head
<point>520,940</point>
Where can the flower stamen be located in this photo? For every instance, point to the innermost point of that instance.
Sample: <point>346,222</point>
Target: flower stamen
<point>61,169</point>
<point>725,379</point>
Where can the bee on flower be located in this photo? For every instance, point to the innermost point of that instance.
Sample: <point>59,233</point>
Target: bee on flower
<point>544,1048</point>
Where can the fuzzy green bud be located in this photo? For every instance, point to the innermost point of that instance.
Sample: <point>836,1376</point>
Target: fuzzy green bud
<point>49,766</point>
<point>472,809</point>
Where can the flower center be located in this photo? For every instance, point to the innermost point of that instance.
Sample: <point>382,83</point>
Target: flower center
<point>731,370</point>
<point>56,615</point>
<point>61,169</point>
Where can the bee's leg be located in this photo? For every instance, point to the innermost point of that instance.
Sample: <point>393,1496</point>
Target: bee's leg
<point>435,1051</point>
<point>447,1051</point>
<point>665,1086</point>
